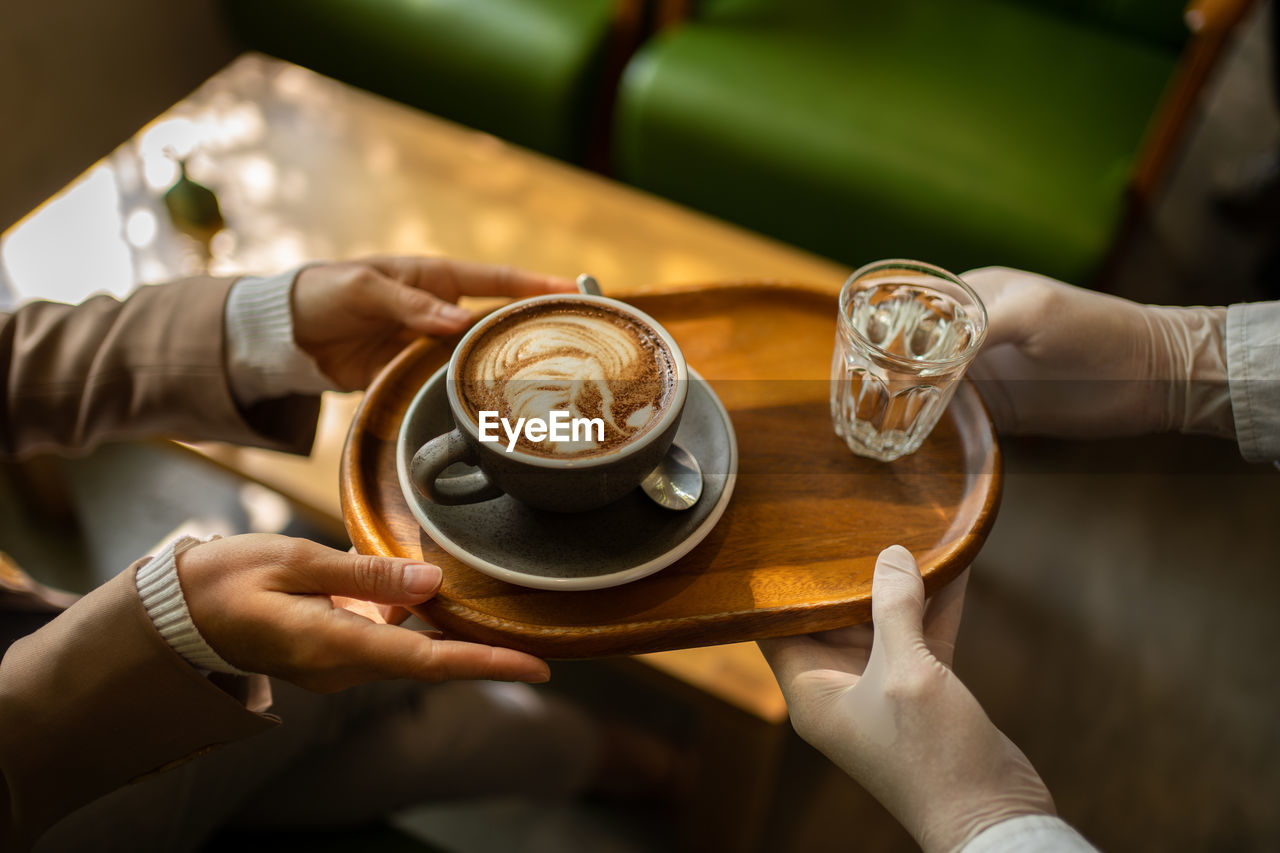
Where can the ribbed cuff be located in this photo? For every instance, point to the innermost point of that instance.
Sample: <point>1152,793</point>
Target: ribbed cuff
<point>1030,834</point>
<point>162,596</point>
<point>263,360</point>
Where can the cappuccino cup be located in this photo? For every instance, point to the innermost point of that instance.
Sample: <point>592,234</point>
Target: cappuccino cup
<point>564,402</point>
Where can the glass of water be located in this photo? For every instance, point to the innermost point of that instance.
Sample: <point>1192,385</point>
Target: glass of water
<point>906,333</point>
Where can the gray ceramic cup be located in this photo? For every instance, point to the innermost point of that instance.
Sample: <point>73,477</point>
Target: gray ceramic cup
<point>559,484</point>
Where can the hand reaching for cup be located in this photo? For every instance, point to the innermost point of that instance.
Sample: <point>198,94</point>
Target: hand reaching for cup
<point>885,706</point>
<point>263,603</point>
<point>1070,362</point>
<point>351,318</point>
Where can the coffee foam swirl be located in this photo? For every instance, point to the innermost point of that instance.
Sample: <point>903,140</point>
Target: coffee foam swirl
<point>589,362</point>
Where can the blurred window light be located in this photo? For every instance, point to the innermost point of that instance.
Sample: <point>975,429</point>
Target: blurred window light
<point>140,228</point>
<point>258,177</point>
<point>268,512</point>
<point>72,246</point>
<point>163,144</point>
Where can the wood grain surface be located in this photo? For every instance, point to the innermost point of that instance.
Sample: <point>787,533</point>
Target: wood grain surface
<point>796,548</point>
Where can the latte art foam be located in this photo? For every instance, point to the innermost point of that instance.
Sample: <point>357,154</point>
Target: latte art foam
<point>583,359</point>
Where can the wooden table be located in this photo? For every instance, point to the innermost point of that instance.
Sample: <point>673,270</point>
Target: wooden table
<point>307,168</point>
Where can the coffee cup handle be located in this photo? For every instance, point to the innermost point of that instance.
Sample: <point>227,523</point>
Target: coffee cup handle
<point>438,454</point>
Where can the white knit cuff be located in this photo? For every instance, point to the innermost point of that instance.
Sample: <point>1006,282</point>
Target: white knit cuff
<point>1030,834</point>
<point>161,595</point>
<point>263,360</point>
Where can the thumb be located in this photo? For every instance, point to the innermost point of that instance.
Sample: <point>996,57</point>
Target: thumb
<point>897,603</point>
<point>1002,291</point>
<point>423,312</point>
<point>382,580</point>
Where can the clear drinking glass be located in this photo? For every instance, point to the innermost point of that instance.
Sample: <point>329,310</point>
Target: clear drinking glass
<point>906,333</point>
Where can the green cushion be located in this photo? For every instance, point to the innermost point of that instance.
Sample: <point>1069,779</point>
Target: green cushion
<point>963,133</point>
<point>526,70</point>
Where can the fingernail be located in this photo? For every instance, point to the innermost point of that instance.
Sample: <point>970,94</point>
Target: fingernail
<point>453,312</point>
<point>897,558</point>
<point>540,678</point>
<point>421,578</point>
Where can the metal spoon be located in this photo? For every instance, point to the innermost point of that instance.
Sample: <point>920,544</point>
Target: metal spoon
<point>677,481</point>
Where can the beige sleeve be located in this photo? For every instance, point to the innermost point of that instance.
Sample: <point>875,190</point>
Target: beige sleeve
<point>95,699</point>
<point>152,365</point>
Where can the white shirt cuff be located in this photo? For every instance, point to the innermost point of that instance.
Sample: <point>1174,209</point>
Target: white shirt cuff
<point>162,596</point>
<point>263,360</point>
<point>1253,373</point>
<point>1029,834</point>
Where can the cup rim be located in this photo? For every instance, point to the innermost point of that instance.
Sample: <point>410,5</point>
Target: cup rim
<point>651,435</point>
<point>918,266</point>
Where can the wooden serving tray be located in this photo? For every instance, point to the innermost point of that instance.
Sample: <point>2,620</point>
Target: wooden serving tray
<point>794,551</point>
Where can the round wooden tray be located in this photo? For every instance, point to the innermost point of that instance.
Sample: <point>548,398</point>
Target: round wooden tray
<point>794,551</point>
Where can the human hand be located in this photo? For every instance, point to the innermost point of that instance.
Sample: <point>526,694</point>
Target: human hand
<point>1065,361</point>
<point>885,706</point>
<point>353,317</point>
<point>263,603</point>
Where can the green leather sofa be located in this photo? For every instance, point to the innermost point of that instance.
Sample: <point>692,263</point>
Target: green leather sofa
<point>530,71</point>
<point>963,132</point>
